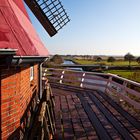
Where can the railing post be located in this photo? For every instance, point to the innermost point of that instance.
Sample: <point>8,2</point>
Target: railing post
<point>123,90</point>
<point>62,76</point>
<point>82,80</point>
<point>108,82</point>
<point>124,86</point>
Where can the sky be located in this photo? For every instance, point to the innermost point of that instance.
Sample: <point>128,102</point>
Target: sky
<point>97,27</point>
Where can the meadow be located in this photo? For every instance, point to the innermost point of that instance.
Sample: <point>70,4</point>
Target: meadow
<point>129,74</point>
<point>104,62</point>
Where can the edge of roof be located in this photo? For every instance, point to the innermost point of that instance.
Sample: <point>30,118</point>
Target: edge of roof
<point>9,55</point>
<point>8,51</point>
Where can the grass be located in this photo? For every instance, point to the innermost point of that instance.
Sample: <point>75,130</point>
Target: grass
<point>104,62</point>
<point>123,73</point>
<point>129,74</point>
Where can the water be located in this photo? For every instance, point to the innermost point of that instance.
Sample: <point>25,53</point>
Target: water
<point>100,82</point>
<point>68,62</point>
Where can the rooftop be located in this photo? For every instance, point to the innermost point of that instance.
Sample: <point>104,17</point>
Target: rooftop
<point>17,31</point>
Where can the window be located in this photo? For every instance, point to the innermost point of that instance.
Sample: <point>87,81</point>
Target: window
<point>31,73</point>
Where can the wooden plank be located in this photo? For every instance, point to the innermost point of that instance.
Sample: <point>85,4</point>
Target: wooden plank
<point>46,129</point>
<point>107,125</point>
<point>39,127</point>
<point>40,15</point>
<point>52,116</point>
<point>67,126</point>
<point>123,120</point>
<point>58,118</point>
<point>94,120</point>
<point>125,97</point>
<point>124,133</point>
<point>77,126</point>
<point>88,128</point>
<point>125,114</point>
<point>77,112</point>
<point>50,120</point>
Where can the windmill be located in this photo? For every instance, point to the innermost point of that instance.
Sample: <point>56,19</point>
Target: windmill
<point>50,13</point>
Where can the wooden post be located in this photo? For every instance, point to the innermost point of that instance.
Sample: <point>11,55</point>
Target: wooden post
<point>82,80</point>
<point>108,82</point>
<point>62,76</point>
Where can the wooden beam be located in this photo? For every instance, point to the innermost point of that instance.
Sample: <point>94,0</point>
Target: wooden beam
<point>37,11</point>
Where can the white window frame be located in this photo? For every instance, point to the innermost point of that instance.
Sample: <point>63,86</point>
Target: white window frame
<point>31,73</point>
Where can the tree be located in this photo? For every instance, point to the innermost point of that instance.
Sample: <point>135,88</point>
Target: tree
<point>57,59</point>
<point>129,57</point>
<point>98,59</point>
<point>50,63</point>
<point>111,59</point>
<point>138,60</point>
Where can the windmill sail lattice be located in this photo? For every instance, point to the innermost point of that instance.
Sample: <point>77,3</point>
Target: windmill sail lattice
<point>50,13</point>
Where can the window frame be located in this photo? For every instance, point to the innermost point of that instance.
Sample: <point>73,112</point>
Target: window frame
<point>31,73</point>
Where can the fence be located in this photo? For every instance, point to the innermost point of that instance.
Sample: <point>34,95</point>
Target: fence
<point>123,89</point>
<point>44,121</point>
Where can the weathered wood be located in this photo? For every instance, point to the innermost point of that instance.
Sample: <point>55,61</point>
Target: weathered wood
<point>50,120</point>
<point>57,109</point>
<point>66,118</point>
<point>107,125</point>
<point>37,130</point>
<point>120,117</point>
<point>42,113</point>
<point>105,119</point>
<point>94,120</point>
<point>87,126</point>
<point>44,125</point>
<point>46,129</point>
<point>48,94</point>
<point>101,80</point>
<point>124,132</point>
<point>125,114</point>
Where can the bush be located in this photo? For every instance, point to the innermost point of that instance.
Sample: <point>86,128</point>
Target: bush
<point>111,59</point>
<point>53,62</point>
<point>57,59</point>
<point>138,60</point>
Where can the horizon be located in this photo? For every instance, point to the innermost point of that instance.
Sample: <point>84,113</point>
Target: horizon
<point>115,55</point>
<point>104,27</point>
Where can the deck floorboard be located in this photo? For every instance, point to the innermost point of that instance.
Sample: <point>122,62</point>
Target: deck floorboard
<point>91,115</point>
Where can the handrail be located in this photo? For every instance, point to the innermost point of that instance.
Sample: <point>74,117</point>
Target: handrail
<point>126,90</point>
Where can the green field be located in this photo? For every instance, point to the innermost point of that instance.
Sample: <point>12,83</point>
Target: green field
<point>122,73</point>
<point>129,74</point>
<point>116,63</point>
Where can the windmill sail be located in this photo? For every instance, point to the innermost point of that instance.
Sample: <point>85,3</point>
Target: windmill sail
<point>50,13</point>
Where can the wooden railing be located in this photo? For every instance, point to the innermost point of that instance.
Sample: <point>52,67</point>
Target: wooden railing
<point>44,122</point>
<point>121,88</point>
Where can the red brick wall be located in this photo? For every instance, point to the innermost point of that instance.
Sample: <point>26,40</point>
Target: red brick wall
<point>15,93</point>
<point>26,87</point>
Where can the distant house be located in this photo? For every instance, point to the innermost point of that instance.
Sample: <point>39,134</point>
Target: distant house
<point>21,56</point>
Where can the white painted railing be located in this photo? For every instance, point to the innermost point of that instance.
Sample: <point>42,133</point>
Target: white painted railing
<point>124,89</point>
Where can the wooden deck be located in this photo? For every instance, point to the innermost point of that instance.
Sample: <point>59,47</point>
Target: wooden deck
<point>90,115</point>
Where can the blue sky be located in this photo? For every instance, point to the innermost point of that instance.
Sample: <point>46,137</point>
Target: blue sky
<point>97,27</point>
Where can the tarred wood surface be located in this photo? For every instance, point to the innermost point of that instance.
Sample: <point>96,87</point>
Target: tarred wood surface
<point>91,115</point>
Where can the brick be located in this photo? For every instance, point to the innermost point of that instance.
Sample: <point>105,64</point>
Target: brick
<point>10,125</point>
<point>16,93</point>
<point>8,118</point>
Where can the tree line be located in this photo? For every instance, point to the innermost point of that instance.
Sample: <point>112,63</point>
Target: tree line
<point>128,57</point>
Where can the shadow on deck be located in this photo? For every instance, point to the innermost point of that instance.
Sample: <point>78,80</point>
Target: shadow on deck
<point>90,114</point>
